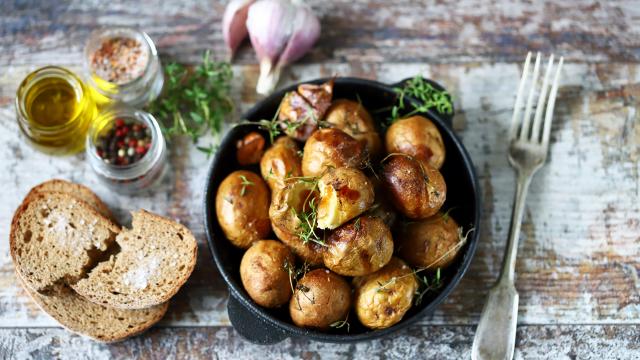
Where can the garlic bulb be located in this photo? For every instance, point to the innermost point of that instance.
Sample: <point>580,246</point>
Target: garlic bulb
<point>281,32</point>
<point>234,23</point>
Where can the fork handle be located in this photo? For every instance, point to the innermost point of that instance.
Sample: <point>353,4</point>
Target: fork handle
<point>496,333</point>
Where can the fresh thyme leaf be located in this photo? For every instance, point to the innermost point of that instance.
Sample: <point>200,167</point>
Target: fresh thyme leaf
<point>195,100</point>
<point>341,323</point>
<point>356,224</point>
<point>427,96</point>
<point>209,150</point>
<point>245,182</point>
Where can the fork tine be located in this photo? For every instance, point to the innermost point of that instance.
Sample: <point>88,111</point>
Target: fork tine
<point>524,132</point>
<point>552,102</point>
<point>537,119</point>
<point>518,105</point>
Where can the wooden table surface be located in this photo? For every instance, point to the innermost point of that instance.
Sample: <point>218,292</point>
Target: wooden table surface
<point>579,254</point>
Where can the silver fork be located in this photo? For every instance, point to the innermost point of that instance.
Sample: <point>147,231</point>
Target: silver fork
<point>528,146</point>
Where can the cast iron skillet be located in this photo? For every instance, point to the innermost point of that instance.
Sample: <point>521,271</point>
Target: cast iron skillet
<point>263,326</point>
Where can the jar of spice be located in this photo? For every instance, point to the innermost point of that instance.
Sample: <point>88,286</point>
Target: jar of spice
<point>122,64</point>
<point>54,110</point>
<point>126,149</point>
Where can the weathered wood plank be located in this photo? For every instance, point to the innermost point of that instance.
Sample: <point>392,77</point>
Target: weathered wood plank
<point>428,342</point>
<point>402,31</point>
<point>580,250</point>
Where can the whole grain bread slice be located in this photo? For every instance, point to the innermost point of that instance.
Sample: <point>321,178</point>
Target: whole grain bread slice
<point>156,257</point>
<point>56,237</point>
<point>76,190</point>
<point>98,322</point>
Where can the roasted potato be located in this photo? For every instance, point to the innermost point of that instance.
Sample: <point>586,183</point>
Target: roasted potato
<point>417,190</point>
<point>419,137</point>
<point>352,118</point>
<point>344,194</point>
<point>382,206</point>
<point>288,202</point>
<point>359,247</point>
<point>264,274</point>
<point>321,298</point>
<point>250,149</point>
<point>242,208</point>
<point>281,161</point>
<point>382,298</point>
<point>432,243</point>
<point>331,148</point>
<point>302,110</point>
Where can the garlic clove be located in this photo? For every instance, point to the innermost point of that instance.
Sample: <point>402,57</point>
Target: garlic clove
<point>234,28</point>
<point>269,23</point>
<point>306,31</point>
<point>281,31</point>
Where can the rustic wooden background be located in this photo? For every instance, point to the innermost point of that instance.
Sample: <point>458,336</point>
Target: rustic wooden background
<point>579,257</point>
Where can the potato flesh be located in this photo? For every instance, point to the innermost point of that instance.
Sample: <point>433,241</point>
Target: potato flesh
<point>344,194</point>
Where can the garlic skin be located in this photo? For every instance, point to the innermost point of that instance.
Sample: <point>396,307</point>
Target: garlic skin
<point>281,32</point>
<point>234,24</point>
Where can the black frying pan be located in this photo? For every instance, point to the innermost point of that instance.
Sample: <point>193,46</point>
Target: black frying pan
<point>265,326</point>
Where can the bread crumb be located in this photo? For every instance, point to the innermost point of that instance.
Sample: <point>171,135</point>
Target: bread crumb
<point>138,278</point>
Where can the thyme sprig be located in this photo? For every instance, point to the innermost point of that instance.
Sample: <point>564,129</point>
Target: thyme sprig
<point>295,273</point>
<point>245,183</point>
<point>426,286</point>
<point>427,95</point>
<point>194,100</point>
<point>341,323</point>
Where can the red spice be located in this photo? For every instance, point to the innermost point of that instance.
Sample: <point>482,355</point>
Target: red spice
<point>120,145</point>
<point>119,60</point>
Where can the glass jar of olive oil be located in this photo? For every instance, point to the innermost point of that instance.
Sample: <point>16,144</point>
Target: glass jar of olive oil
<point>54,110</point>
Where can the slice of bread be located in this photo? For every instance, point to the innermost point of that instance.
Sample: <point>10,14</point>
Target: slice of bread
<point>98,322</point>
<point>76,190</point>
<point>56,237</point>
<point>156,257</point>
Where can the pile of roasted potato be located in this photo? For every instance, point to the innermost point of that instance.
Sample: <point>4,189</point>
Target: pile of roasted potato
<point>341,200</point>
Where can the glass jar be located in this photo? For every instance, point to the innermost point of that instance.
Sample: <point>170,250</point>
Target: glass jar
<point>142,174</point>
<point>137,78</point>
<point>54,110</point>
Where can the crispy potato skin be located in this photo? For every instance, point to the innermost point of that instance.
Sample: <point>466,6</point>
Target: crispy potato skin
<point>286,224</point>
<point>417,190</point>
<point>344,194</point>
<point>431,244</point>
<point>419,137</point>
<point>382,206</point>
<point>331,148</point>
<point>352,118</point>
<point>301,110</point>
<point>250,149</point>
<point>243,215</point>
<point>296,116</point>
<point>281,161</point>
<point>263,273</point>
<point>359,247</point>
<point>321,298</point>
<point>379,307</point>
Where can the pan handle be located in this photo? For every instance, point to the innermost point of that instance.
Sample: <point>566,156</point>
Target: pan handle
<point>250,326</point>
<point>446,118</point>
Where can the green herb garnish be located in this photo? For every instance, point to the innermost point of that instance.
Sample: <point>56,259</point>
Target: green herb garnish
<point>245,182</point>
<point>342,323</point>
<point>427,96</point>
<point>194,100</point>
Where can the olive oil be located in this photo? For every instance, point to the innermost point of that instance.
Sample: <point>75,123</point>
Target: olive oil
<point>52,102</point>
<point>55,110</point>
